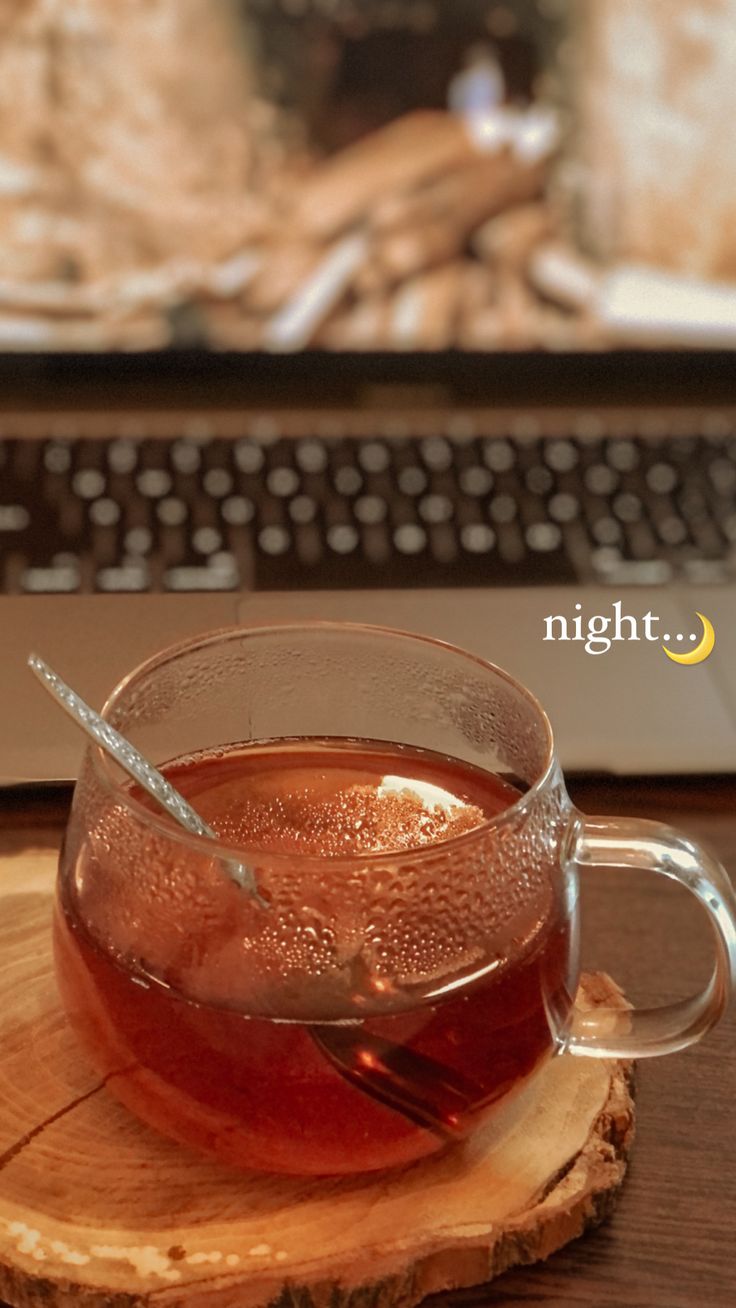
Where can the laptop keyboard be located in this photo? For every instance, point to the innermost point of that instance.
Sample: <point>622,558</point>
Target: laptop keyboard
<point>210,513</point>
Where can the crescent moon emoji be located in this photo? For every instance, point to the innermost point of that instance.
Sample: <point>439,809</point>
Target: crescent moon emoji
<point>701,652</point>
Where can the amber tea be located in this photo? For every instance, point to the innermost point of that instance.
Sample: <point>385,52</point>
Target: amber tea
<point>358,1051</point>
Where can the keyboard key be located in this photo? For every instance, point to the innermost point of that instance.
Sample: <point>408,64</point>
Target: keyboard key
<point>370,509</point>
<point>722,476</point>
<point>622,455</point>
<point>185,457</point>
<point>104,512</point>
<point>283,482</point>
<point>502,509</point>
<point>544,537</point>
<point>59,580</point>
<point>217,482</point>
<point>477,538</point>
<point>14,517</point>
<point>374,457</point>
<point>197,579</point>
<point>564,508</point>
<point>600,480</point>
<point>206,540</point>
<point>707,572</point>
<point>436,508</point>
<point>561,456</point>
<point>410,538</point>
<point>348,481</point>
<point>476,481</point>
<point>128,577</point>
<point>605,559</point>
<point>628,507</point>
<point>655,572</point>
<point>303,509</point>
<point>662,478</point>
<point>171,512</point>
<point>122,457</point>
<point>237,510</point>
<point>672,531</point>
<point>138,540</point>
<point>88,483</point>
<point>539,480</point>
<point>607,531</point>
<point>311,456</point>
<point>436,454</point>
<point>57,458</point>
<point>274,540</point>
<point>499,455</point>
<point>412,480</point>
<point>343,538</point>
<point>223,561</point>
<point>249,457</point>
<point>154,483</point>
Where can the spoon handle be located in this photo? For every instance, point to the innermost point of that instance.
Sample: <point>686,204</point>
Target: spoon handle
<point>131,761</point>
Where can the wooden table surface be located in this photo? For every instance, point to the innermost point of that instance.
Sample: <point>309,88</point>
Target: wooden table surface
<point>672,1241</point>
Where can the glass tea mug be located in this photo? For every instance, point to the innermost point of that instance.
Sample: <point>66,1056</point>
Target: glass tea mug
<point>366,1008</point>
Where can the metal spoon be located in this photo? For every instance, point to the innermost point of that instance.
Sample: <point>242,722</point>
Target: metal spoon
<point>426,1092</point>
<point>131,761</point>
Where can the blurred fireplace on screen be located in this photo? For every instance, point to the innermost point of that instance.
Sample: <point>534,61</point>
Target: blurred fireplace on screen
<point>367,175</point>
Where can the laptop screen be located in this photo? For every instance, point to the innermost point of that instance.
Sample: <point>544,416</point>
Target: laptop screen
<point>367,176</point>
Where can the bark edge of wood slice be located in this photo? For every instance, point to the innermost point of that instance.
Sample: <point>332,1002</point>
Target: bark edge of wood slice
<point>96,1210</point>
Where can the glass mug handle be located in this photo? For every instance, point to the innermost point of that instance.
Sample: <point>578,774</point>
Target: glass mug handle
<point>625,843</point>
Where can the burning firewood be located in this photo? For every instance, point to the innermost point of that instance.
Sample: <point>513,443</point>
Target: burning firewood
<point>411,150</point>
<point>285,267</point>
<point>364,326</point>
<point>296,324</point>
<point>445,216</point>
<point>510,238</point>
<point>425,310</point>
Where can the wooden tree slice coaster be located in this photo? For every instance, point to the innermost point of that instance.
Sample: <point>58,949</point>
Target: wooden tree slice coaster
<point>96,1210</point>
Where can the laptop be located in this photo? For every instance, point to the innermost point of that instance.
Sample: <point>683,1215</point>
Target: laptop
<point>380,383</point>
